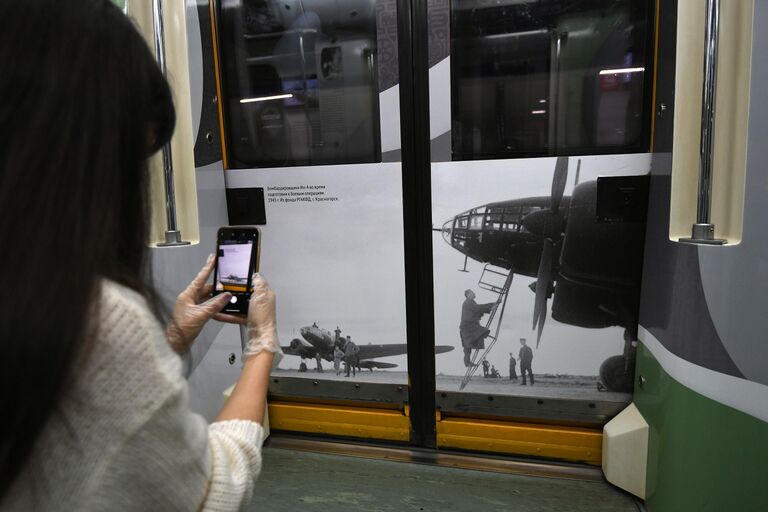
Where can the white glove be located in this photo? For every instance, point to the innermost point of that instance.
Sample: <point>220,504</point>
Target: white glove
<point>193,309</point>
<point>262,326</point>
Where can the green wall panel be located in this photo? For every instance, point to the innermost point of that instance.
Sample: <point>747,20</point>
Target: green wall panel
<point>703,456</point>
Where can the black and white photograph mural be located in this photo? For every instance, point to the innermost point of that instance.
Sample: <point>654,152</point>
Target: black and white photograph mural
<point>530,287</point>
<point>332,249</point>
<point>536,293</point>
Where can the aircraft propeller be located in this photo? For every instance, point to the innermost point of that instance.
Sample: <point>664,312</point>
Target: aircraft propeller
<point>542,289</point>
<point>559,181</point>
<point>548,224</point>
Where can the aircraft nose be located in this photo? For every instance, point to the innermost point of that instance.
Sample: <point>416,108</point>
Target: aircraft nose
<point>304,331</point>
<point>448,231</point>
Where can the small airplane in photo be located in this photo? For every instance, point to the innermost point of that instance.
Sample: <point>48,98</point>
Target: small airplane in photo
<point>318,344</point>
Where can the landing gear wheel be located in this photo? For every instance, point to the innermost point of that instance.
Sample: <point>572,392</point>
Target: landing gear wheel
<point>614,375</point>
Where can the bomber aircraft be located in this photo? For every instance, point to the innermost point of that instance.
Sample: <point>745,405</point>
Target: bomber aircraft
<point>590,266</point>
<point>318,344</point>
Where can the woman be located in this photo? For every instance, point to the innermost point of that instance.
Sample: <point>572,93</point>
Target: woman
<point>95,411</point>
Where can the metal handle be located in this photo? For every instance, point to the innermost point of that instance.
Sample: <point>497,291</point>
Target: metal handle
<point>703,231</point>
<point>172,233</point>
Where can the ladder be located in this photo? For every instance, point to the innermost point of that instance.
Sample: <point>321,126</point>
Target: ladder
<point>500,301</point>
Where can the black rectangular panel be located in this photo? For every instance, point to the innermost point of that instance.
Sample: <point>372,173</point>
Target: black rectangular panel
<point>245,207</point>
<point>622,198</point>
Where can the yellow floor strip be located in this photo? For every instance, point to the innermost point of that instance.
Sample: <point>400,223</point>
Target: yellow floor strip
<point>563,443</point>
<point>572,444</point>
<point>361,422</point>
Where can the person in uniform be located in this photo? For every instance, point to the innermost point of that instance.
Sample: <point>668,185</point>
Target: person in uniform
<point>472,333</point>
<point>351,358</point>
<point>338,355</point>
<point>485,368</point>
<point>337,337</point>
<point>495,373</point>
<point>526,357</point>
<point>512,365</point>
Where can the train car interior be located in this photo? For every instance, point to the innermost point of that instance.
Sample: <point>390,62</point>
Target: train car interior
<point>516,245</point>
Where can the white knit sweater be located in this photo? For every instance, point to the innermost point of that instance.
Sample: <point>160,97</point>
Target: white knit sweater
<point>125,438</point>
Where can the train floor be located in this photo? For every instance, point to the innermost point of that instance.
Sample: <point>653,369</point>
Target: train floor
<point>308,482</point>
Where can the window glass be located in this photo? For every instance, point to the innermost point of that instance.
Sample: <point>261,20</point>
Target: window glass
<point>548,77</point>
<point>300,82</point>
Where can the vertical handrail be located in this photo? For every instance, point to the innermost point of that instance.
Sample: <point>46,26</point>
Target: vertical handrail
<point>172,233</point>
<point>703,231</point>
<point>708,108</point>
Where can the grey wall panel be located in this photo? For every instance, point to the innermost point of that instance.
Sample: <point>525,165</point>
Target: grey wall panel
<point>203,84</point>
<point>386,26</point>
<point>195,59</point>
<point>386,39</point>
<point>673,306</point>
<point>175,267</point>
<point>735,278</point>
<point>439,30</point>
<point>706,304</point>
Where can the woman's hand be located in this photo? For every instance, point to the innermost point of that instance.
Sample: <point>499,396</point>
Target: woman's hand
<point>261,319</point>
<point>192,310</point>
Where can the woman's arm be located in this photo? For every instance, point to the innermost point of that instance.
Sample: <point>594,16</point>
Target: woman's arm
<point>194,308</point>
<point>248,400</point>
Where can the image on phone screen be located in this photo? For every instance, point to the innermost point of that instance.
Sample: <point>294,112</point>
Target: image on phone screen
<point>234,263</point>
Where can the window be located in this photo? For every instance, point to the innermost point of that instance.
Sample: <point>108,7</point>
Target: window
<point>549,77</point>
<point>300,82</point>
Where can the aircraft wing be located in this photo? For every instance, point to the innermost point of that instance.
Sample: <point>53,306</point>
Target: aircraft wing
<point>393,349</point>
<point>366,363</point>
<point>381,350</point>
<point>300,348</point>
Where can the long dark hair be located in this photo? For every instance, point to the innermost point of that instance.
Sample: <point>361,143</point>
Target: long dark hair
<point>82,106</point>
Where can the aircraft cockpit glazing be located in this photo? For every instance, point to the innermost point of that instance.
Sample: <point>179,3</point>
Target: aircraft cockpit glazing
<point>490,220</point>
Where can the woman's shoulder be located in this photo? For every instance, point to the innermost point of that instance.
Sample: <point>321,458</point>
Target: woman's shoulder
<point>115,297</point>
<point>123,312</point>
<point>129,339</point>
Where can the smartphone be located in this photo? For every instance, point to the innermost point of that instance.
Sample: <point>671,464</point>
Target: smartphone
<point>237,258</point>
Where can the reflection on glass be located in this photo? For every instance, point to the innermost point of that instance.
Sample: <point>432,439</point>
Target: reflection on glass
<point>300,82</point>
<point>548,77</point>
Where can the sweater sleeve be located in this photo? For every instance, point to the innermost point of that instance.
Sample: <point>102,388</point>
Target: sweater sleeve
<point>175,461</point>
<point>235,451</point>
<point>172,459</point>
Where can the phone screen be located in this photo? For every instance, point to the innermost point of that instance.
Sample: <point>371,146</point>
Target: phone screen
<point>236,261</point>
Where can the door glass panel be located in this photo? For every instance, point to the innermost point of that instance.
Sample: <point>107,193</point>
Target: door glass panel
<point>302,87</point>
<point>300,82</point>
<point>550,77</point>
<point>531,104</point>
